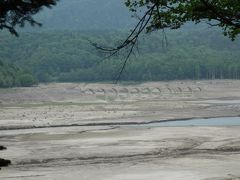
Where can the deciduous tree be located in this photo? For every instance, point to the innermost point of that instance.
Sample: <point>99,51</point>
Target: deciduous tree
<point>18,12</point>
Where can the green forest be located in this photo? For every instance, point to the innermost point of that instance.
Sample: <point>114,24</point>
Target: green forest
<point>11,76</point>
<point>68,56</point>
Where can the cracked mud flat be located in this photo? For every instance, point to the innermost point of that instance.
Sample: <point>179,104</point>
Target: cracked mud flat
<point>54,132</point>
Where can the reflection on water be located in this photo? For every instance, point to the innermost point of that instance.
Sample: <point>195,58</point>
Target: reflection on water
<point>226,121</point>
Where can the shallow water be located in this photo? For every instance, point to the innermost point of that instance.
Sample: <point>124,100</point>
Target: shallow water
<point>225,121</point>
<point>222,101</point>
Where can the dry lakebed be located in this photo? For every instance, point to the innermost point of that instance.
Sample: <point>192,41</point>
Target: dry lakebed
<point>178,130</point>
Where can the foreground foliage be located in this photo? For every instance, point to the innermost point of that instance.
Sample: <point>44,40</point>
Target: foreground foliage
<point>15,13</point>
<point>173,14</point>
<point>4,162</point>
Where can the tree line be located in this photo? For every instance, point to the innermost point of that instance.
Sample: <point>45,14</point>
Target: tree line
<point>69,57</point>
<point>12,76</point>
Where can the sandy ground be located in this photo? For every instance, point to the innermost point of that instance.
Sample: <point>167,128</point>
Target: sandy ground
<point>74,131</point>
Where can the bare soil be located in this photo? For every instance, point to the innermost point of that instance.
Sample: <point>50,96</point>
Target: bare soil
<point>83,131</point>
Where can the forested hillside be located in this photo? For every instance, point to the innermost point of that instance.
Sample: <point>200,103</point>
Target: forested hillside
<point>11,75</point>
<point>69,57</point>
<point>61,51</point>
